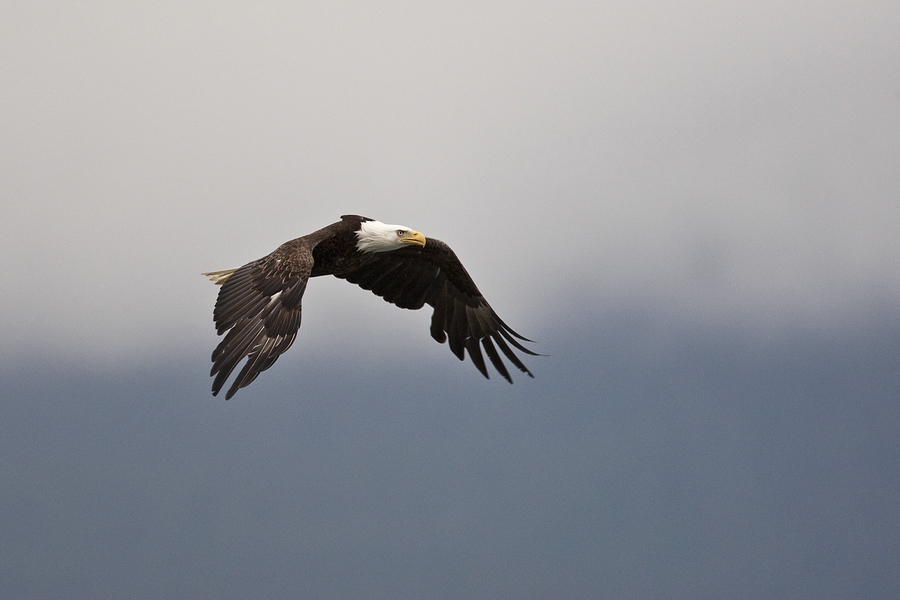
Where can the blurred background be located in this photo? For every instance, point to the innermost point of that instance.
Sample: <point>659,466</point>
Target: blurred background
<point>692,208</point>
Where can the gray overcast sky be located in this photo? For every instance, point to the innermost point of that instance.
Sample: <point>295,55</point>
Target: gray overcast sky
<point>721,162</point>
<point>612,175</point>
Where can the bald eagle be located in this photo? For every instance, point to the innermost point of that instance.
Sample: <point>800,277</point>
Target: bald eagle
<point>259,304</point>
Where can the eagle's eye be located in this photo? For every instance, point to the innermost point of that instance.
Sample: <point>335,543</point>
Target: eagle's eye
<point>400,232</point>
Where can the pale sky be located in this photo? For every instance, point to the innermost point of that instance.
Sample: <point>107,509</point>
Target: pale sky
<point>716,162</point>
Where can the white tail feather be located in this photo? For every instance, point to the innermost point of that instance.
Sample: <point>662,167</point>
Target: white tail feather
<point>219,277</point>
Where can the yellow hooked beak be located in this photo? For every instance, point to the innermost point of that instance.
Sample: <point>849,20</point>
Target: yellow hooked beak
<point>413,237</point>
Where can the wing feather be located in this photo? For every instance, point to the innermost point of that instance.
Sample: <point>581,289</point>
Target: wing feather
<point>438,319</point>
<point>475,355</point>
<point>414,276</point>
<point>495,358</point>
<point>260,308</point>
<point>511,355</point>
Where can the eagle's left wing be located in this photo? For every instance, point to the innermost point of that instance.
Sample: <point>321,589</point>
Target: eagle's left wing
<point>432,274</point>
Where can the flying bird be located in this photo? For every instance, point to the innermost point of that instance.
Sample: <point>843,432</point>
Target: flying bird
<point>259,304</point>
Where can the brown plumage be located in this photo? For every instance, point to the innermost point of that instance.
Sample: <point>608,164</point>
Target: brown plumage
<point>259,304</point>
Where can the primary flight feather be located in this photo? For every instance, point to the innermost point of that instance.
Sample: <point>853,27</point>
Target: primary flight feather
<point>259,304</point>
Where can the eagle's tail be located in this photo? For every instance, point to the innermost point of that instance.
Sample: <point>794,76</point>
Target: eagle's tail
<point>219,277</point>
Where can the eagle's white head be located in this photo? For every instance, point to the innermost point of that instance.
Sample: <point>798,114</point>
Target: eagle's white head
<point>375,236</point>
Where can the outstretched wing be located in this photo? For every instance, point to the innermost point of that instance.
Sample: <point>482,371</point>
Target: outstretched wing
<point>414,276</point>
<point>259,306</point>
